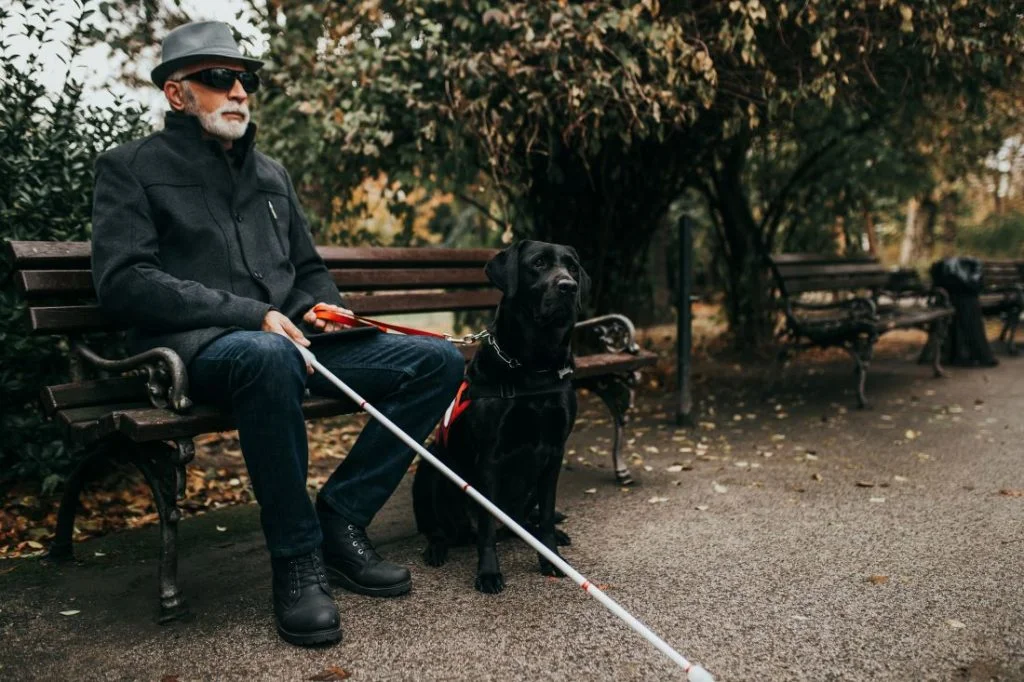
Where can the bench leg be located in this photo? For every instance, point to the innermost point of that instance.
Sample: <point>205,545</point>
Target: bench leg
<point>1012,322</point>
<point>779,369</point>
<point>937,336</point>
<point>62,548</point>
<point>861,350</point>
<point>164,469</point>
<point>617,394</point>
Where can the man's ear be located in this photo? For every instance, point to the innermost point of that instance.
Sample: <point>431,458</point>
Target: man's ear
<point>503,269</point>
<point>583,291</point>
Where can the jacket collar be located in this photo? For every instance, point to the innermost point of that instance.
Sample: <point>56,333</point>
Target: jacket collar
<point>187,126</point>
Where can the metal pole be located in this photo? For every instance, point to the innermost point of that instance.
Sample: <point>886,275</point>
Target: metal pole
<point>684,323</point>
<point>694,672</point>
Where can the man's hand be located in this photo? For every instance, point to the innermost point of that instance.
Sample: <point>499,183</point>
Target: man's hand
<point>277,323</point>
<point>325,325</point>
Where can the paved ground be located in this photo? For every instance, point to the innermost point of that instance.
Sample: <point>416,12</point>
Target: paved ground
<point>801,541</point>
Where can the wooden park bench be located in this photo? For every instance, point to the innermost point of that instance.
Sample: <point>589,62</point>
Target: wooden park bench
<point>1002,296</point>
<point>138,408</point>
<point>844,302</point>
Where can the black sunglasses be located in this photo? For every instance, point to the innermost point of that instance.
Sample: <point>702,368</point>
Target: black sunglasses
<point>221,78</point>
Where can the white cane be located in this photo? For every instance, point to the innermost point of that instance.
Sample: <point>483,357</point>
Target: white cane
<point>694,672</point>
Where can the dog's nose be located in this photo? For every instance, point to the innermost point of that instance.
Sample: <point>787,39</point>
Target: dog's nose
<point>567,286</point>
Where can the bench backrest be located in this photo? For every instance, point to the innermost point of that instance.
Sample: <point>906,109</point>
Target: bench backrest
<point>796,273</point>
<point>1000,274</point>
<point>55,278</point>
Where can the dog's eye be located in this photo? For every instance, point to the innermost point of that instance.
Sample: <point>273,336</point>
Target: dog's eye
<point>539,262</point>
<point>573,268</point>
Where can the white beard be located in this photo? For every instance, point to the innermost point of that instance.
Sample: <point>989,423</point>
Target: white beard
<point>218,126</point>
<point>213,122</point>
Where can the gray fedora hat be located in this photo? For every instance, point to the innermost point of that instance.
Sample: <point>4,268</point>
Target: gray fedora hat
<point>195,42</point>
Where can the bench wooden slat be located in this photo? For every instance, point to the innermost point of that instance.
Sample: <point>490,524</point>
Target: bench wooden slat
<point>837,283</point>
<point>142,423</point>
<point>357,279</point>
<point>93,392</point>
<point>77,319</point>
<point>379,304</point>
<point>36,283</point>
<point>347,256</point>
<point>70,319</point>
<point>815,258</point>
<point>78,283</point>
<point>36,255</point>
<point>803,270</point>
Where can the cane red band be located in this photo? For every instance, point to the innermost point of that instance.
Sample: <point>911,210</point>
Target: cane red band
<point>586,586</point>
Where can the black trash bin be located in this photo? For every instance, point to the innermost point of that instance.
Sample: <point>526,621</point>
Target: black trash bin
<point>966,344</point>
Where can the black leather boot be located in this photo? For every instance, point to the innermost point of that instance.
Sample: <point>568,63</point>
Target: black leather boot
<point>353,563</point>
<point>303,604</point>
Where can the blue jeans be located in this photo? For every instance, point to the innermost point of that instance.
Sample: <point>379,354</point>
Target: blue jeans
<point>261,378</point>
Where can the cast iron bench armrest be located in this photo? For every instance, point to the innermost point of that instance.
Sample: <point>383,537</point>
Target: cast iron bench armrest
<point>166,376</point>
<point>612,333</point>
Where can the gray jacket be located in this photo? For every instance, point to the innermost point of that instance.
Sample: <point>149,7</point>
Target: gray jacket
<point>185,248</point>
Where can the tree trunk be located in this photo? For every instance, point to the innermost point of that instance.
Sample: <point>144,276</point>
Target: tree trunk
<point>908,249</point>
<point>869,230</point>
<point>747,291</point>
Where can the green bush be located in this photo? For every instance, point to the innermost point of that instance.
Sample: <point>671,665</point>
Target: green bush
<point>998,236</point>
<point>48,142</point>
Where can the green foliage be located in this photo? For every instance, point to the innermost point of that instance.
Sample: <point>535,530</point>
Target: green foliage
<point>48,142</point>
<point>998,236</point>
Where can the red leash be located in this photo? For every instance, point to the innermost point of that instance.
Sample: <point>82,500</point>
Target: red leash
<point>324,313</point>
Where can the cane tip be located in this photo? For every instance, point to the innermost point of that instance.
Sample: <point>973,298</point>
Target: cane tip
<point>699,674</point>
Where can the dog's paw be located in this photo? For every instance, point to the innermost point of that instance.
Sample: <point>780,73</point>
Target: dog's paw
<point>562,538</point>
<point>490,583</point>
<point>549,569</point>
<point>435,554</point>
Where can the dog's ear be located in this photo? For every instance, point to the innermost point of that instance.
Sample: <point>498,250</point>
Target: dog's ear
<point>583,292</point>
<point>503,269</point>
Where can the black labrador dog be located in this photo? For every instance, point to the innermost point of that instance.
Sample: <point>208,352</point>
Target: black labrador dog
<point>505,433</point>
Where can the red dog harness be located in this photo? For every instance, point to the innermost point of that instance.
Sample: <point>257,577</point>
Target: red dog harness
<point>453,412</point>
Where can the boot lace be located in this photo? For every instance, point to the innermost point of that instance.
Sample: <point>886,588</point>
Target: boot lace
<point>307,571</point>
<point>357,536</point>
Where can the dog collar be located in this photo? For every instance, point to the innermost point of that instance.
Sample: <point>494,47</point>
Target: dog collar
<point>513,363</point>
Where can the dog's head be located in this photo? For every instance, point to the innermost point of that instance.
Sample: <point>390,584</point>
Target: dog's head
<point>544,279</point>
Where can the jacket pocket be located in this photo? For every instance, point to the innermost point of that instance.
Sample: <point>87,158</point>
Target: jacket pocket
<point>277,209</point>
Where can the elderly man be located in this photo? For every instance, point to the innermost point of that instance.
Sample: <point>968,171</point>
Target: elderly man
<point>199,245</point>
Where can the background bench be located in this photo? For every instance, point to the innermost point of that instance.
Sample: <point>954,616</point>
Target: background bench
<point>844,302</point>
<point>1003,297</point>
<point>138,408</point>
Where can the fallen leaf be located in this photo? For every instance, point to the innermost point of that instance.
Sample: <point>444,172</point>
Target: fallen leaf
<point>701,507</point>
<point>956,624</point>
<point>648,467</point>
<point>674,469</point>
<point>221,529</point>
<point>910,434</point>
<point>99,554</point>
<point>799,617</point>
<point>878,579</point>
<point>34,545</point>
<point>1012,492</point>
<point>816,476</point>
<point>590,491</point>
<point>865,484</point>
<point>72,612</point>
<point>657,500</point>
<point>877,500</point>
<point>718,487</point>
<point>332,673</point>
